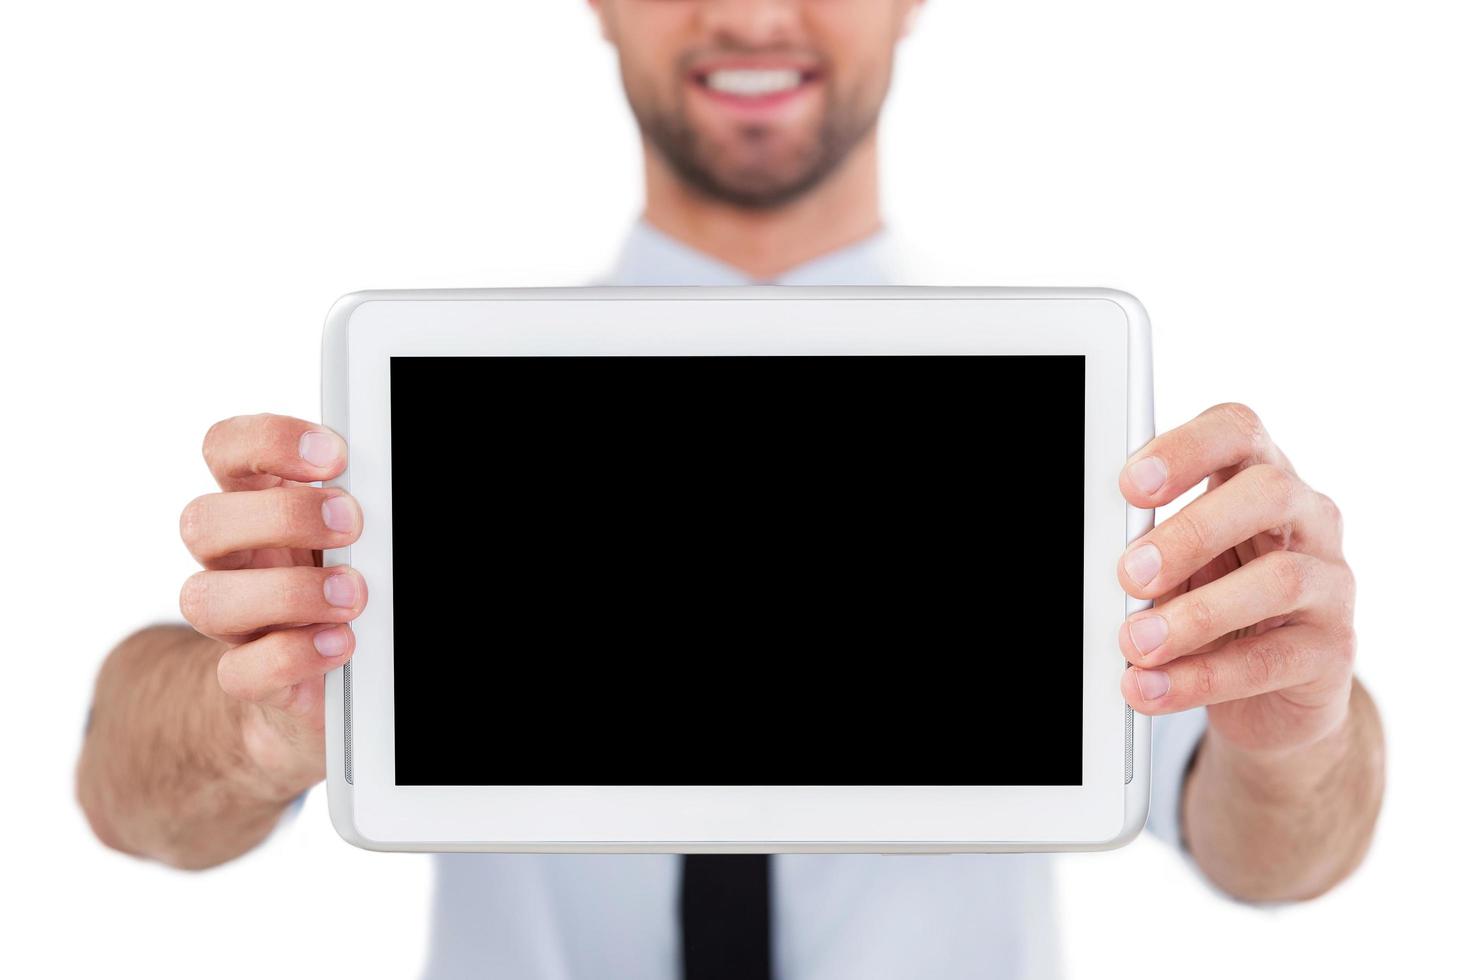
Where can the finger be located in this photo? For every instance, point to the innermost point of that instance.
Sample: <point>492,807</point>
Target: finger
<point>253,452</point>
<point>1271,661</point>
<point>1175,461</point>
<point>217,526</point>
<point>237,603</point>
<point>1280,583</point>
<point>267,670</point>
<point>1262,498</point>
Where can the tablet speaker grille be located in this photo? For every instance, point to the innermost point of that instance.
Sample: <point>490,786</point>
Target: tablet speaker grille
<point>348,722</point>
<point>1129,745</point>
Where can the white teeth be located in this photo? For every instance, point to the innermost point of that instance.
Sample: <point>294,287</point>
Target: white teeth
<point>754,81</point>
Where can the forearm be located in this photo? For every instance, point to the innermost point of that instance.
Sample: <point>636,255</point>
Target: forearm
<point>1288,825</point>
<point>164,772</point>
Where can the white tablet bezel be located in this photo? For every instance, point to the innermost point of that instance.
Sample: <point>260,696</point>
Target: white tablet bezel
<point>1110,328</point>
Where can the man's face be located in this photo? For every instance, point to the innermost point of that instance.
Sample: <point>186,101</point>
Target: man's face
<point>755,101</point>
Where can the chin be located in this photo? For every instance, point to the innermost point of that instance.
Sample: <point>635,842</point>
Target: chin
<point>774,172</point>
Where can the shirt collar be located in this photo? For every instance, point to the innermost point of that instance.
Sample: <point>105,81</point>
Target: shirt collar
<point>649,257</point>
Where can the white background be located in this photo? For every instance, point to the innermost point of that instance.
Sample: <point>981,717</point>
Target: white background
<point>187,187</point>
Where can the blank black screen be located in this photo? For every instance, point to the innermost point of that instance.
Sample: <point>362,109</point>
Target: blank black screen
<point>738,570</point>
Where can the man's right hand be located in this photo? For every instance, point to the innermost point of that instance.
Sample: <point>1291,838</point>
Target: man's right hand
<point>264,593</point>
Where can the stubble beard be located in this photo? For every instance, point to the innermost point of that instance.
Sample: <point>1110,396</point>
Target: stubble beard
<point>772,177</point>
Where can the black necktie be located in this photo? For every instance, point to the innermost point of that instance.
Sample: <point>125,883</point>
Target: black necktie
<point>726,916</point>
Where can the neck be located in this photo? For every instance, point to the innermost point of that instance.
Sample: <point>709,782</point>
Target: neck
<point>843,209</point>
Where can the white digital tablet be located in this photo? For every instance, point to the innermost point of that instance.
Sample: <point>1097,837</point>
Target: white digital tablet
<point>763,569</point>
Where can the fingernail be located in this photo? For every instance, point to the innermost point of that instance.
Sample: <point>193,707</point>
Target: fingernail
<point>1147,475</point>
<point>319,448</point>
<point>340,590</point>
<point>1143,563</point>
<point>1152,683</point>
<point>338,513</point>
<point>1147,633</point>
<point>331,642</point>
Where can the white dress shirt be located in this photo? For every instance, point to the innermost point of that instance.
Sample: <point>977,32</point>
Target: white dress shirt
<point>836,916</point>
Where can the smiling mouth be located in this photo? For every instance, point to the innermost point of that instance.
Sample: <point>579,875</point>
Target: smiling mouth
<point>754,84</point>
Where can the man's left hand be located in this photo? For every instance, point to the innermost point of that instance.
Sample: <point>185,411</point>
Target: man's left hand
<point>1253,598</point>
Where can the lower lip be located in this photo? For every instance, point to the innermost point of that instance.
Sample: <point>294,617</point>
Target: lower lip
<point>759,104</point>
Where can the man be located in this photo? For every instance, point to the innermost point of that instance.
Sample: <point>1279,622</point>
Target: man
<point>759,129</point>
